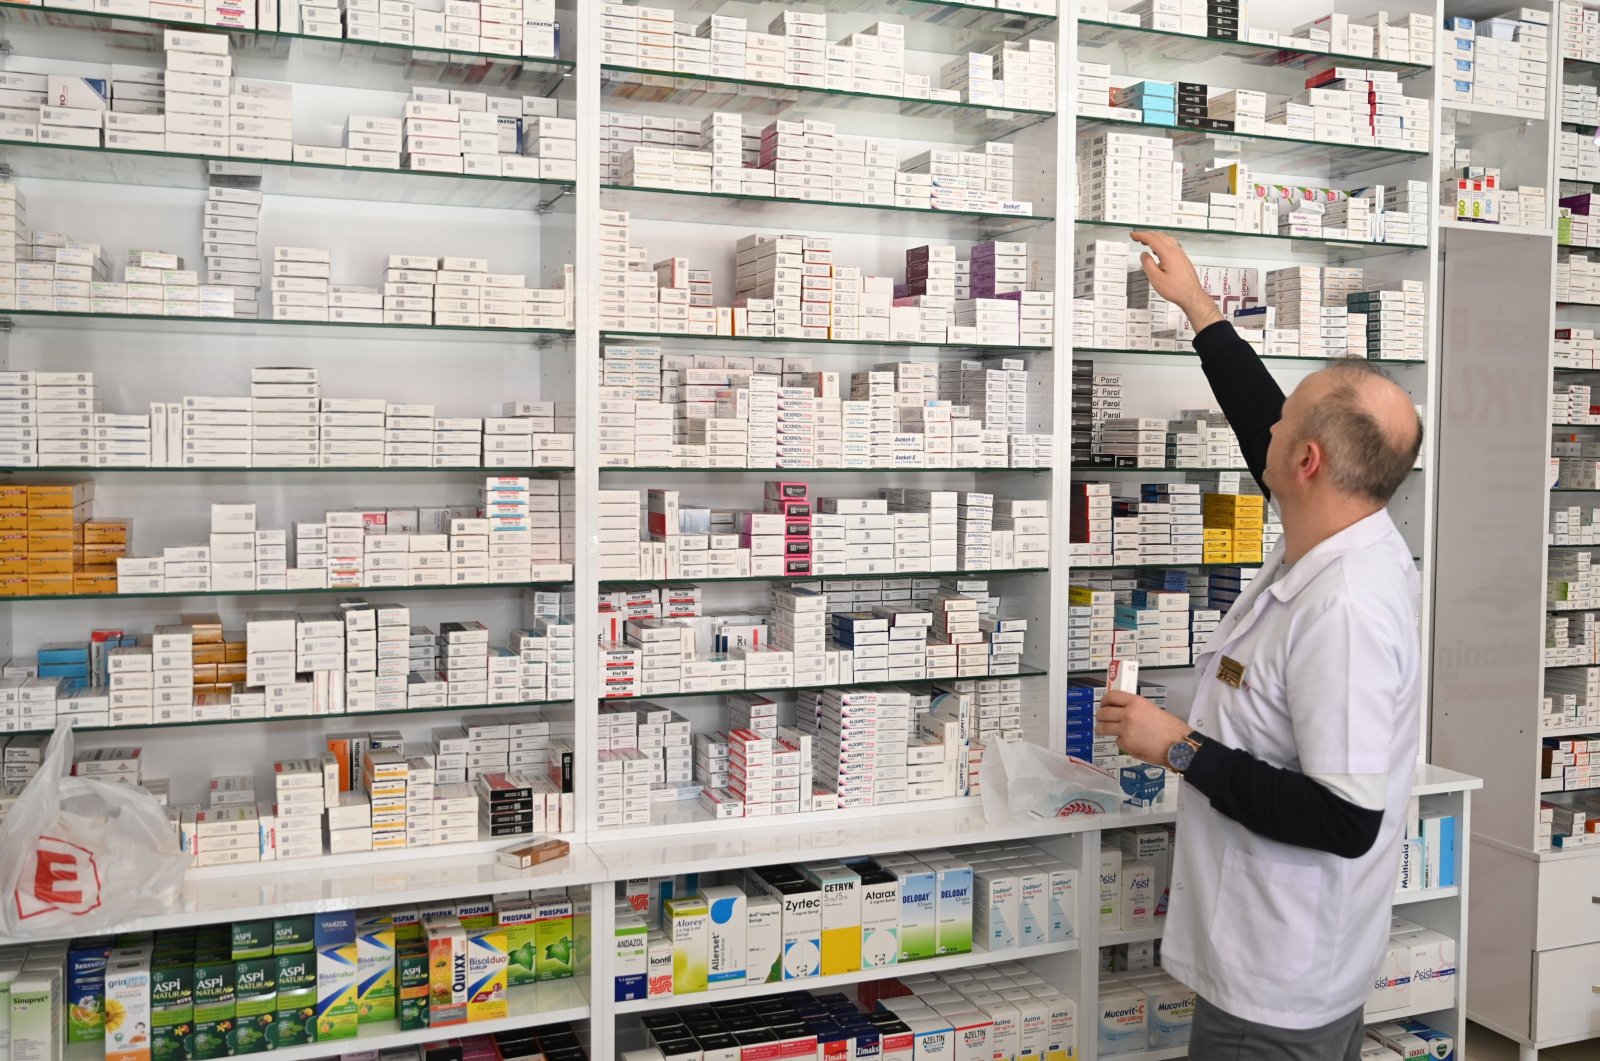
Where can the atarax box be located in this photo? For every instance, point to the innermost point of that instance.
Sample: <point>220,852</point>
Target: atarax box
<point>880,918</point>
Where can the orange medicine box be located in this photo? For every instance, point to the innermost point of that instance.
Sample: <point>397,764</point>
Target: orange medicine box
<point>60,495</point>
<point>56,563</point>
<point>13,563</point>
<point>13,495</point>
<point>50,542</point>
<point>207,629</point>
<point>102,531</point>
<point>13,585</point>
<point>103,555</point>
<point>94,582</point>
<point>235,652</point>
<point>50,585</point>
<point>231,673</point>
<point>13,519</point>
<point>205,674</point>
<point>208,653</point>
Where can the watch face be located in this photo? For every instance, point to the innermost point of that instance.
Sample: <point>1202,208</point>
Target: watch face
<point>1180,755</point>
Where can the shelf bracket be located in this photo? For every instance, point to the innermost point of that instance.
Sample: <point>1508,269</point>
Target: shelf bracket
<point>550,203</point>
<point>544,342</point>
<point>6,324</point>
<point>5,47</point>
<point>5,171</point>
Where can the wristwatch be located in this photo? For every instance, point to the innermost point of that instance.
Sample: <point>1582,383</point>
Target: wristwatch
<point>1181,755</point>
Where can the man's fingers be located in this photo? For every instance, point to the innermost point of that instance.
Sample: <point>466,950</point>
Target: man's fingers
<point>1152,268</point>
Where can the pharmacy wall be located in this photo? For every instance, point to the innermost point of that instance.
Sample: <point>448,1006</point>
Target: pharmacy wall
<point>738,426</point>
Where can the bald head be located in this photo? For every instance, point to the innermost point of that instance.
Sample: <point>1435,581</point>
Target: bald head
<point>1365,424</point>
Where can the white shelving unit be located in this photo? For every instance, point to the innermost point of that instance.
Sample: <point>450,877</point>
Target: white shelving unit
<point>134,199</point>
<point>1535,936</point>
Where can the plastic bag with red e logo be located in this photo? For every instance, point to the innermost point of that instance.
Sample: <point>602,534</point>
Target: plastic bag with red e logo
<point>1021,779</point>
<point>80,855</point>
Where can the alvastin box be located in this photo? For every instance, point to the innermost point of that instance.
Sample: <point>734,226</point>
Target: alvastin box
<point>337,969</point>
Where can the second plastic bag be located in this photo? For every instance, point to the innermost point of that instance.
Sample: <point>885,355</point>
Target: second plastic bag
<point>1024,779</point>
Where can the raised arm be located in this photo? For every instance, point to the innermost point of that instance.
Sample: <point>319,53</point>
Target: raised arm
<point>1245,391</point>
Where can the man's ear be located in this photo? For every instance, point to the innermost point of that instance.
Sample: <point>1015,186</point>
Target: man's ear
<point>1310,460</point>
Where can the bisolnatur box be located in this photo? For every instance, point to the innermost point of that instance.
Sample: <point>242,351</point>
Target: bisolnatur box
<point>337,965</point>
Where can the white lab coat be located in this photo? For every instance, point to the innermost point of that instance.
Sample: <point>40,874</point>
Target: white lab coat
<point>1268,932</point>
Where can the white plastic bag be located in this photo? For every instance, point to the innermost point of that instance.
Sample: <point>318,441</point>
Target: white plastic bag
<point>1021,778</point>
<point>79,855</point>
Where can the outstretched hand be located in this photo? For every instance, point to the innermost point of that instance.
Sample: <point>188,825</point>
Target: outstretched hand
<point>1174,278</point>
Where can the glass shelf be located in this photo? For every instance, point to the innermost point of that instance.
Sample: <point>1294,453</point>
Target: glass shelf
<point>241,326</point>
<point>671,204</point>
<point>1265,150</point>
<point>1083,353</point>
<point>853,344</point>
<point>941,13</point>
<point>171,169</point>
<point>303,718</point>
<point>346,590</point>
<point>1292,244</point>
<point>1024,672</point>
<point>828,578</point>
<point>1575,490</point>
<point>1160,50</point>
<point>260,469</point>
<point>767,98</point>
<point>822,471</point>
<point>1112,468</point>
<point>262,53</point>
<point>1166,565</point>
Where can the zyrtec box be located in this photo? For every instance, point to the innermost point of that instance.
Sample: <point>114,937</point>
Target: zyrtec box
<point>802,929</point>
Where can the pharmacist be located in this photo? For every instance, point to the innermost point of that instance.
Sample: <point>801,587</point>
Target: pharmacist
<point>1301,741</point>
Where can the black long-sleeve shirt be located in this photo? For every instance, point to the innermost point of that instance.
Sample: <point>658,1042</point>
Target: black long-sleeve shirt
<point>1282,805</point>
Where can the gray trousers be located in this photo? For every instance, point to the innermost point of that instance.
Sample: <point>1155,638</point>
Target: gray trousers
<point>1220,1036</point>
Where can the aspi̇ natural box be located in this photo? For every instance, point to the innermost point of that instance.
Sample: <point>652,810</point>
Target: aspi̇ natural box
<point>255,986</point>
<point>171,1006</point>
<point>214,1009</point>
<point>411,973</point>
<point>296,1024</point>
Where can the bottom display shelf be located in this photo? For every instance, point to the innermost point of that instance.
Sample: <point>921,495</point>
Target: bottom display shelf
<point>947,963</point>
<point>1402,1013</point>
<point>530,1007</point>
